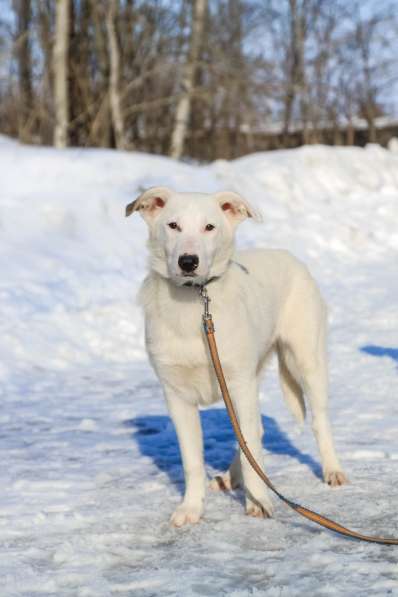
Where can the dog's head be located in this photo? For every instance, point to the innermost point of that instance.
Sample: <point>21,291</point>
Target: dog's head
<point>191,235</point>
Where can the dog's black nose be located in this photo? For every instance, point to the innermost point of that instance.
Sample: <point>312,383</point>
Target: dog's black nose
<point>188,263</point>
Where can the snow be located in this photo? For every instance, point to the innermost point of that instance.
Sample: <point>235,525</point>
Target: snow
<point>90,470</point>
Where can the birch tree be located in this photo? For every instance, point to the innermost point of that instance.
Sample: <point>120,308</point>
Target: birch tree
<point>183,109</point>
<point>60,63</point>
<point>114,76</point>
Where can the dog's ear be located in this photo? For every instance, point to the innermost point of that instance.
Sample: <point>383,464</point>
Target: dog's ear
<point>149,203</point>
<point>236,208</point>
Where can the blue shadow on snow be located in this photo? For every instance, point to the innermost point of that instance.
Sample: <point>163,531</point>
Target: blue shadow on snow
<point>156,439</point>
<point>381,351</point>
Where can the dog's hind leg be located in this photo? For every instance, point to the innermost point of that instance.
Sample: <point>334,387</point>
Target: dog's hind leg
<point>231,479</point>
<point>315,387</point>
<point>291,389</point>
<point>304,354</point>
<point>189,432</point>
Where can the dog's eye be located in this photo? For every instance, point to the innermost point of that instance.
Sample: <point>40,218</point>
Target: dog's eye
<point>210,227</point>
<point>173,225</point>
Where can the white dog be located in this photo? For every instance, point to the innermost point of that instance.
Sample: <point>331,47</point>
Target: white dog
<point>261,301</point>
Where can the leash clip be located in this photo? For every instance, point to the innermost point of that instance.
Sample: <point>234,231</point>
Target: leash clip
<point>206,317</point>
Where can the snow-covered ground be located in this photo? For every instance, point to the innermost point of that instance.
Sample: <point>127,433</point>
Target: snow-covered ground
<point>90,471</point>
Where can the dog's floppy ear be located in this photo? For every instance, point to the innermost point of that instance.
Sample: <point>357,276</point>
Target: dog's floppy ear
<point>236,208</point>
<point>150,202</point>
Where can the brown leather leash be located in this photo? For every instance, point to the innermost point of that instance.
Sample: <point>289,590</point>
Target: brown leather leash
<point>314,516</point>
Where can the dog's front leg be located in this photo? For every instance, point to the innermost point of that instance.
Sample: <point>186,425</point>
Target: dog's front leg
<point>189,432</point>
<point>244,395</point>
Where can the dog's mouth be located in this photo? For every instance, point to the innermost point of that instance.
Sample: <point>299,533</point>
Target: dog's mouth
<point>190,284</point>
<point>190,279</point>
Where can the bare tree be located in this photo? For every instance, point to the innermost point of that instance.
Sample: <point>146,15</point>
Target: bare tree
<point>229,95</point>
<point>365,32</point>
<point>188,80</point>
<point>196,78</point>
<point>100,132</point>
<point>295,61</point>
<point>23,11</point>
<point>60,63</point>
<point>114,76</point>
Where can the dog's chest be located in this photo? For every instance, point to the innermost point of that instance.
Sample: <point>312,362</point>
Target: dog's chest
<point>176,340</point>
<point>177,345</point>
<point>182,362</point>
<point>178,350</point>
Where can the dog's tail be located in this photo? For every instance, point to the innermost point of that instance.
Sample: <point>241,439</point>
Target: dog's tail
<point>292,391</point>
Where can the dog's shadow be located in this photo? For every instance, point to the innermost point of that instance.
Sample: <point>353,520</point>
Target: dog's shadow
<point>381,351</point>
<point>156,439</point>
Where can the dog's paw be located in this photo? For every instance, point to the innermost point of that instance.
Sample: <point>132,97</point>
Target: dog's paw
<point>335,478</point>
<point>226,482</point>
<point>259,508</point>
<point>231,479</point>
<point>221,482</point>
<point>257,511</point>
<point>186,514</point>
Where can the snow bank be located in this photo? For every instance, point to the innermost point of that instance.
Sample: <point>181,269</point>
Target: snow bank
<point>72,263</point>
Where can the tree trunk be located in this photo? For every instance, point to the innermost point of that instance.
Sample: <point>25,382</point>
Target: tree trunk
<point>101,127</point>
<point>114,77</point>
<point>44,92</point>
<point>44,18</point>
<point>296,85</point>
<point>24,16</point>
<point>60,59</point>
<point>370,116</point>
<point>350,134</point>
<point>183,109</point>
